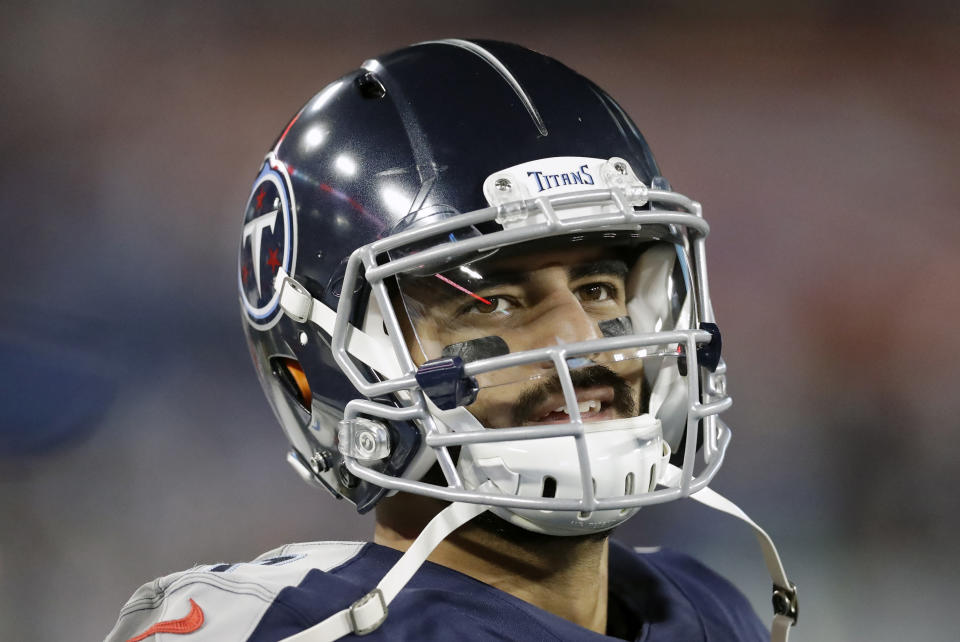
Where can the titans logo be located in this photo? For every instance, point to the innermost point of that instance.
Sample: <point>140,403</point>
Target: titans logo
<point>269,243</point>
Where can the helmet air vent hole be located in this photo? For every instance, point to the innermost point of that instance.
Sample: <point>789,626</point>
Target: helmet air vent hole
<point>370,87</point>
<point>653,479</point>
<point>549,487</point>
<point>628,483</point>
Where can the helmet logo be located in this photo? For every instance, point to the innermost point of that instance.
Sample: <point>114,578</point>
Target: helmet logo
<point>254,230</point>
<point>555,175</point>
<point>545,181</point>
<point>268,243</point>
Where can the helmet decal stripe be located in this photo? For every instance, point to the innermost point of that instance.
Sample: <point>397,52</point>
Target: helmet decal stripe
<point>492,60</point>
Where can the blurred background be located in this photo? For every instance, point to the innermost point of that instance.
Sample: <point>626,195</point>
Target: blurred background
<point>822,138</point>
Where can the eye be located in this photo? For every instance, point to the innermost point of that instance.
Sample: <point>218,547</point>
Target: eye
<point>496,304</point>
<point>596,292</point>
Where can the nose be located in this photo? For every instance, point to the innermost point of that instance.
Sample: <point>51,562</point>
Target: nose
<point>565,321</point>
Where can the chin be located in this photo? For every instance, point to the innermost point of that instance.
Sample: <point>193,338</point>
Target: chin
<point>496,525</point>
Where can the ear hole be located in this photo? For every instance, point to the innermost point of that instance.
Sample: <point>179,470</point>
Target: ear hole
<point>628,484</point>
<point>294,380</point>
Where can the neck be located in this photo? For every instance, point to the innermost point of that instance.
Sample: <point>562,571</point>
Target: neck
<point>566,576</point>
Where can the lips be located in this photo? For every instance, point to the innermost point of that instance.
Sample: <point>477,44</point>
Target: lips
<point>594,405</point>
<point>544,403</point>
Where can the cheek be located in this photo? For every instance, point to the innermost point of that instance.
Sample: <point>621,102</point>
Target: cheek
<point>629,369</point>
<point>426,343</point>
<point>487,409</point>
<point>494,406</point>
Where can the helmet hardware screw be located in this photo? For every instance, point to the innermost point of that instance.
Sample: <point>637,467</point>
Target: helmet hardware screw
<point>366,442</point>
<point>621,168</point>
<point>503,184</point>
<point>319,463</point>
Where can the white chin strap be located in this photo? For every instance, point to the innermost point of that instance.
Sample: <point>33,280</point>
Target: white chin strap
<point>784,591</point>
<point>369,612</point>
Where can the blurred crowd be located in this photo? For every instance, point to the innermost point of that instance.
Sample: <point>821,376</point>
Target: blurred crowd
<point>821,138</point>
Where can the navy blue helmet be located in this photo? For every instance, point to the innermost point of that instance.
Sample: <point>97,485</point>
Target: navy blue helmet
<point>462,257</point>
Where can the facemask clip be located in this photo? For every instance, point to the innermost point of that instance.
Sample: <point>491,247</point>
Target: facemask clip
<point>708,354</point>
<point>444,381</point>
<point>365,440</point>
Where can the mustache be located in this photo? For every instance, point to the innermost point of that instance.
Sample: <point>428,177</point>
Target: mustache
<point>624,402</point>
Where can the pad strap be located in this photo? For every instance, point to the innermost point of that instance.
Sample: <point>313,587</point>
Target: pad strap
<point>369,612</point>
<point>784,591</point>
<point>297,302</point>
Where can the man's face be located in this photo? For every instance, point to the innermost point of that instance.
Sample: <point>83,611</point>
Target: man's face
<point>526,302</point>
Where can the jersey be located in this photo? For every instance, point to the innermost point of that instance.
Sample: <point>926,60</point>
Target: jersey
<point>656,596</point>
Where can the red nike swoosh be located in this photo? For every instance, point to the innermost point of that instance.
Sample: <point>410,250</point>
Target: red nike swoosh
<point>188,624</point>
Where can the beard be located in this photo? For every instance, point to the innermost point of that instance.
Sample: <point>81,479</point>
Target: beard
<point>625,404</point>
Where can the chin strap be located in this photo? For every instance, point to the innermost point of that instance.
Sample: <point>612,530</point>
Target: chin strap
<point>369,612</point>
<point>784,591</point>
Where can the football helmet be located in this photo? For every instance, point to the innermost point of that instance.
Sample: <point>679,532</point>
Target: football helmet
<point>463,276</point>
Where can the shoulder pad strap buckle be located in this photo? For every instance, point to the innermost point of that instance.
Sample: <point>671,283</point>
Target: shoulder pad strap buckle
<point>368,613</point>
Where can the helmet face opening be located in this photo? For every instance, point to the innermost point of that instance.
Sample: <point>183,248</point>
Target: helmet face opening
<point>574,345</point>
<point>549,293</point>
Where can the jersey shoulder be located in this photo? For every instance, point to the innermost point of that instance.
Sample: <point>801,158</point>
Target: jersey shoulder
<point>223,601</point>
<point>703,598</point>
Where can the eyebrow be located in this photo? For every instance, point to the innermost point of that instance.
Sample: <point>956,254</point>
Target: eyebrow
<point>613,267</point>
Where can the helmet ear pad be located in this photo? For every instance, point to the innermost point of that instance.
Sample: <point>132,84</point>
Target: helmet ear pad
<point>651,281</point>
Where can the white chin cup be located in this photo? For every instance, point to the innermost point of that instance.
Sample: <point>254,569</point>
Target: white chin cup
<point>626,458</point>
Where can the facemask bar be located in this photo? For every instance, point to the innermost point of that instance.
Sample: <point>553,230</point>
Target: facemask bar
<point>575,429</point>
<point>551,221</point>
<point>369,256</point>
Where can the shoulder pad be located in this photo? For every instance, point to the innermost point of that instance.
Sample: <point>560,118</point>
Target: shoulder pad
<point>223,601</point>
